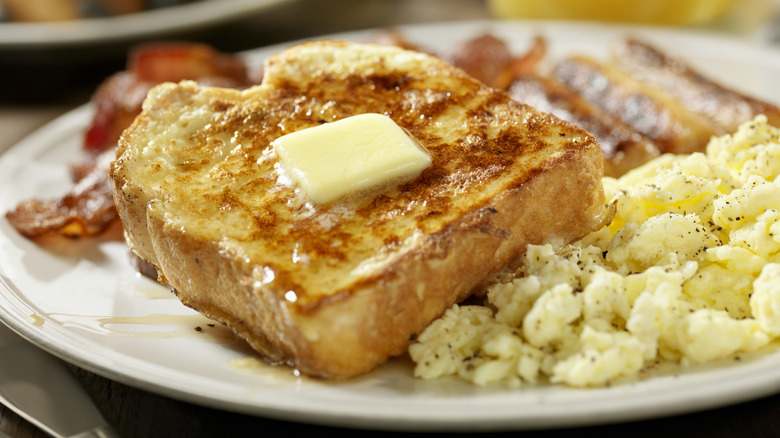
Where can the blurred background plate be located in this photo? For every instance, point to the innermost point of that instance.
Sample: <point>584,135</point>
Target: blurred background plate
<point>64,60</point>
<point>153,22</point>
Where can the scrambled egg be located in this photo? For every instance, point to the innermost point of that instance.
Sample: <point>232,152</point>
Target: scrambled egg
<point>687,272</point>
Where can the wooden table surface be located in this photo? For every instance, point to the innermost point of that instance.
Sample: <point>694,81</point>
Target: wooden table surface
<point>138,413</point>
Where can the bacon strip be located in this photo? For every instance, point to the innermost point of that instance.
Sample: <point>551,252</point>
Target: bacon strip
<point>88,208</point>
<point>118,99</point>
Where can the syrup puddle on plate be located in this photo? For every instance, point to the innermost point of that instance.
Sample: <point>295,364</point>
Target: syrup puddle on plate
<point>152,326</point>
<point>279,374</point>
<point>193,326</point>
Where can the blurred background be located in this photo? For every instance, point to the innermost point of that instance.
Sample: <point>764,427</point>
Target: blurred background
<point>58,56</point>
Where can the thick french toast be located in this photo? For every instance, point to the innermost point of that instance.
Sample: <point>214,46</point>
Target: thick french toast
<point>334,290</point>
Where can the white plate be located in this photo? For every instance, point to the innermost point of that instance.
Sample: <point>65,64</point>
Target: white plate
<point>121,27</point>
<point>83,302</point>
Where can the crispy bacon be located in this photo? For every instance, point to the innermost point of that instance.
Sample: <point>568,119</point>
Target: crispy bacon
<point>527,64</point>
<point>490,59</point>
<point>484,57</point>
<point>118,100</point>
<point>116,103</point>
<point>175,62</point>
<point>88,208</point>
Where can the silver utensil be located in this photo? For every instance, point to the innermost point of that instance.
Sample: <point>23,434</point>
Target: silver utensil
<point>41,389</point>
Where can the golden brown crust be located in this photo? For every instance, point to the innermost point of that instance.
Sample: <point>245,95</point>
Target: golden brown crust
<point>335,290</point>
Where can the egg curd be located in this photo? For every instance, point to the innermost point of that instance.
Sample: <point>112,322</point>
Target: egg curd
<point>688,272</point>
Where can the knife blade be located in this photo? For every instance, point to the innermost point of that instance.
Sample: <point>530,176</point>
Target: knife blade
<point>40,388</point>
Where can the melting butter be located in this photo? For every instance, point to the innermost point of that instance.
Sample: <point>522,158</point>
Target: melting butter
<point>352,155</point>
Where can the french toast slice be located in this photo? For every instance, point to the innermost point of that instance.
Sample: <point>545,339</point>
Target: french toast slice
<point>334,290</point>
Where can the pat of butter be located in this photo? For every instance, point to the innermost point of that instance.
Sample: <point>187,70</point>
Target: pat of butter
<point>352,155</point>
